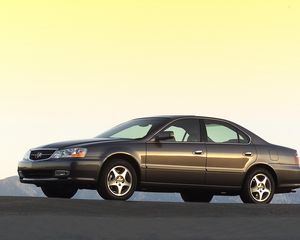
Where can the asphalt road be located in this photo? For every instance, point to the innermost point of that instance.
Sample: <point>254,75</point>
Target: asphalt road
<point>41,218</point>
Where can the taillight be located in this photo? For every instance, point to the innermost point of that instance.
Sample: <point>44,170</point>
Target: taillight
<point>296,160</point>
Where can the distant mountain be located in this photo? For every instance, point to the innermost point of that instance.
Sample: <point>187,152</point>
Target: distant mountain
<point>12,187</point>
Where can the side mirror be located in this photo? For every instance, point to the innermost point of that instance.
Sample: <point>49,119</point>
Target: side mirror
<point>164,136</point>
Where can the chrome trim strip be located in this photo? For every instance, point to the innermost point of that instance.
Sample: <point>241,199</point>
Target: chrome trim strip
<point>37,149</point>
<point>175,167</point>
<point>59,179</point>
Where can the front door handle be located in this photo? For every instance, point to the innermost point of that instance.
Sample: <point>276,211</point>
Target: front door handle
<point>248,154</point>
<point>198,152</point>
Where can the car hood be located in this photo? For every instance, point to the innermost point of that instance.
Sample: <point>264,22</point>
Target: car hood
<point>80,142</point>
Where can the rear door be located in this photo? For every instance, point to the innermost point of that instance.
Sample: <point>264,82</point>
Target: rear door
<point>229,153</point>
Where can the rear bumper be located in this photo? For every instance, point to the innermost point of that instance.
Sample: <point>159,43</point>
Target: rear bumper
<point>288,176</point>
<point>82,172</point>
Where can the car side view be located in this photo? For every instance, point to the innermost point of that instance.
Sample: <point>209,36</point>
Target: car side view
<point>199,157</point>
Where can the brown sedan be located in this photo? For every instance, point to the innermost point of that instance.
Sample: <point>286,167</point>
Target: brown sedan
<point>197,156</point>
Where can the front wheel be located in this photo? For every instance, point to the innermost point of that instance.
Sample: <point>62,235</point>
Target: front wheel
<point>259,187</point>
<point>118,180</point>
<point>59,191</point>
<point>196,196</point>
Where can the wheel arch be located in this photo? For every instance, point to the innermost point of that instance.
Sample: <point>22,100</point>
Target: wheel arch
<point>265,166</point>
<point>124,156</point>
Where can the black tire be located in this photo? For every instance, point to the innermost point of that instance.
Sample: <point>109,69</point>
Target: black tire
<point>109,192</point>
<point>59,191</point>
<point>262,194</point>
<point>196,196</point>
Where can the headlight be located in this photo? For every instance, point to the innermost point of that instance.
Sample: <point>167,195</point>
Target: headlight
<point>70,153</point>
<point>27,155</point>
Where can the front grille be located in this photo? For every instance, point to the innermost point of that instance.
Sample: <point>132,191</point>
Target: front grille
<point>38,173</point>
<point>40,154</point>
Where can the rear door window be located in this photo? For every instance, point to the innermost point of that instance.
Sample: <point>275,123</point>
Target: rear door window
<point>219,132</point>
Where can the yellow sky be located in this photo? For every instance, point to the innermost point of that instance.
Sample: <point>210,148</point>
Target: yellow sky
<point>70,69</point>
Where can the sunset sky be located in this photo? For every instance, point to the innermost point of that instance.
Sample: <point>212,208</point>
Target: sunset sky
<point>72,69</point>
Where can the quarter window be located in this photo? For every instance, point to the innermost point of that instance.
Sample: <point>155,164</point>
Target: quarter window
<point>223,133</point>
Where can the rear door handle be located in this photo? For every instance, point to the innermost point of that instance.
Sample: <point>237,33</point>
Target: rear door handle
<point>248,154</point>
<point>198,152</point>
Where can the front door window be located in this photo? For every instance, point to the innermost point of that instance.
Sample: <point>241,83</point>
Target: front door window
<point>187,130</point>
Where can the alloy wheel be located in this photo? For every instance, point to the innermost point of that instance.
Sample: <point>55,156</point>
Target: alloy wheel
<point>260,187</point>
<point>119,181</point>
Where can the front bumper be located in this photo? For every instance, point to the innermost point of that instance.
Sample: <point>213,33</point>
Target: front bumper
<point>81,172</point>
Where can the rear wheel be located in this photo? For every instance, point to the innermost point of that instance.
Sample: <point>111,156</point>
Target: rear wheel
<point>196,196</point>
<point>259,187</point>
<point>118,180</point>
<point>59,191</point>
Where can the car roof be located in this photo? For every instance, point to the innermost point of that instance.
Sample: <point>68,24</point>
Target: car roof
<point>173,117</point>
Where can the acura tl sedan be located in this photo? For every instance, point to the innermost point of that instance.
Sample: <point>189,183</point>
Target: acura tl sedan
<point>199,157</point>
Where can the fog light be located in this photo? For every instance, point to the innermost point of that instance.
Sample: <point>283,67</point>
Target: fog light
<point>61,173</point>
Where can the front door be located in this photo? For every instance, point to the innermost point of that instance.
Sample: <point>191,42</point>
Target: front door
<point>179,160</point>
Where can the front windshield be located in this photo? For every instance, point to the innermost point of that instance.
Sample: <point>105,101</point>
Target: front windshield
<point>134,129</point>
